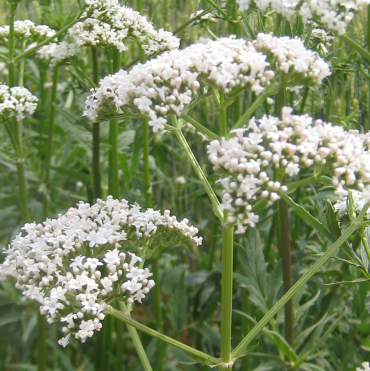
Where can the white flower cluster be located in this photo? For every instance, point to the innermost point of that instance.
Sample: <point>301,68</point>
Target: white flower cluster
<point>166,85</point>
<point>25,30</point>
<point>334,15</point>
<point>291,55</point>
<point>76,264</point>
<point>16,101</point>
<point>365,365</point>
<point>274,146</point>
<point>109,24</point>
<point>358,203</point>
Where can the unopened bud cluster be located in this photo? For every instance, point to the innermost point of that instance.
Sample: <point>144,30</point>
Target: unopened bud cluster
<point>109,25</point>
<point>166,85</point>
<point>334,15</point>
<point>272,146</point>
<point>15,102</point>
<point>76,264</point>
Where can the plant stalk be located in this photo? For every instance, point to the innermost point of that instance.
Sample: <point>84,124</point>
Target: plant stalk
<point>226,295</point>
<point>113,180</point>
<point>97,190</point>
<point>198,169</point>
<point>157,335</point>
<point>49,143</point>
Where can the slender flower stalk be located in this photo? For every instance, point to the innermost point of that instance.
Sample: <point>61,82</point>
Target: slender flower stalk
<point>209,360</point>
<point>198,169</point>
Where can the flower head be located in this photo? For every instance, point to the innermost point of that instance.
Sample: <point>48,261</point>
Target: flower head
<point>289,145</point>
<point>59,262</point>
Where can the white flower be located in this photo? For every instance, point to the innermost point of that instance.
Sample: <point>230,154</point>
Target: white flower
<point>166,85</point>
<point>334,15</point>
<point>291,144</point>
<point>16,101</point>
<point>108,24</point>
<point>52,262</point>
<point>365,365</point>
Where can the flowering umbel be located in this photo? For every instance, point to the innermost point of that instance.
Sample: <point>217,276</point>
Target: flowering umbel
<point>255,159</point>
<point>16,101</point>
<point>168,84</point>
<point>333,15</point>
<point>75,265</point>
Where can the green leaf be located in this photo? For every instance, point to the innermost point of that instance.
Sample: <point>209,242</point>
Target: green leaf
<point>308,218</point>
<point>274,283</point>
<point>281,344</point>
<point>179,306</point>
<point>63,359</point>
<point>253,265</point>
<point>331,219</point>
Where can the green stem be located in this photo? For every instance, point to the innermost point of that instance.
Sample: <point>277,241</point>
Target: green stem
<point>343,82</point>
<point>239,350</point>
<point>136,341</point>
<point>210,134</point>
<point>198,169</point>
<point>304,100</point>
<point>113,180</point>
<point>226,295</point>
<point>356,46</point>
<point>284,243</point>
<point>42,335</point>
<point>157,335</point>
<point>258,102</point>
<point>96,133</point>
<point>49,143</point>
<point>223,118</point>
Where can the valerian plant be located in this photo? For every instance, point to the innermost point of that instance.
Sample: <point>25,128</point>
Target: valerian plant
<point>260,94</point>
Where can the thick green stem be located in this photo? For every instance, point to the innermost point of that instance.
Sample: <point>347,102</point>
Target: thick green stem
<point>17,125</point>
<point>343,81</point>
<point>226,295</point>
<point>113,180</point>
<point>287,269</point>
<point>243,345</point>
<point>284,243</point>
<point>96,133</point>
<point>49,143</point>
<point>157,335</point>
<point>198,169</point>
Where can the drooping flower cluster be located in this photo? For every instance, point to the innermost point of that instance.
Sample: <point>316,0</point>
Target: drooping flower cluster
<point>108,25</point>
<point>285,147</point>
<point>26,30</point>
<point>16,101</point>
<point>358,203</point>
<point>365,367</point>
<point>333,15</point>
<point>76,264</point>
<point>166,85</point>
